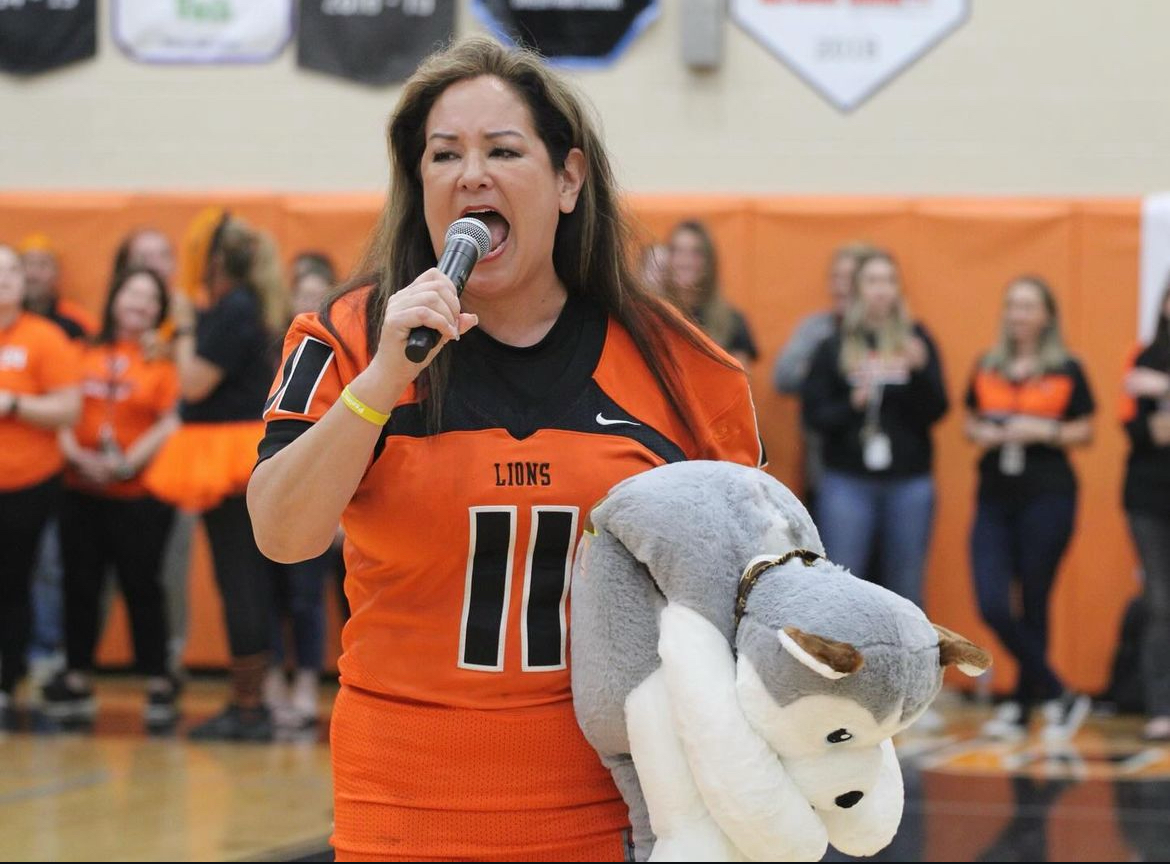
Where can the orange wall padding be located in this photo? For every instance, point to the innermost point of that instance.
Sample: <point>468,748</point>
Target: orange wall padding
<point>957,254</point>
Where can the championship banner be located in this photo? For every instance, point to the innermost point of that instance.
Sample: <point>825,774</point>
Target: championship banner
<point>371,41</point>
<point>570,33</point>
<point>847,50</point>
<point>39,35</point>
<point>202,31</point>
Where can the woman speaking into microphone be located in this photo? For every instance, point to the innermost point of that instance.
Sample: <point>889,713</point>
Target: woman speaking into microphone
<point>463,480</point>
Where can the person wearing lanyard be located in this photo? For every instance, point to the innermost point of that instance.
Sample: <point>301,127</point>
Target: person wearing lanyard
<point>1028,403</point>
<point>129,408</point>
<point>873,392</point>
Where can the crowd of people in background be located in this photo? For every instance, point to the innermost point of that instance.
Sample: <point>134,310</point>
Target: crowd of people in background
<point>114,431</point>
<point>115,434</point>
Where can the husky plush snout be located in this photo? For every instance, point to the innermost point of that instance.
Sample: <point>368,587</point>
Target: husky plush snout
<point>730,676</point>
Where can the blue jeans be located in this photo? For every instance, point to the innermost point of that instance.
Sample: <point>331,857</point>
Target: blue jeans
<point>299,594</point>
<point>853,512</point>
<point>1021,541</point>
<point>48,604</point>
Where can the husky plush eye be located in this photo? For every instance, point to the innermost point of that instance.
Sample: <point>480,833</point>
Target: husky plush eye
<point>839,735</point>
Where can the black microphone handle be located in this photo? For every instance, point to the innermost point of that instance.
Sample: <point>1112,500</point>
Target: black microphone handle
<point>459,256</point>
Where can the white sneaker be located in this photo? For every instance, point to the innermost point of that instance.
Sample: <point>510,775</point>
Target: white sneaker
<point>1007,724</point>
<point>1064,715</point>
<point>42,669</point>
<point>274,692</point>
<point>303,700</point>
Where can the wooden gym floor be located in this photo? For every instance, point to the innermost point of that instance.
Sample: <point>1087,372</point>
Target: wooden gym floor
<point>118,794</point>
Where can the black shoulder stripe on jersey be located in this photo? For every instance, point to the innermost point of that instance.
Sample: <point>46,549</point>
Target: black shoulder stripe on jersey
<point>278,434</point>
<point>305,376</point>
<point>284,373</point>
<point>301,376</point>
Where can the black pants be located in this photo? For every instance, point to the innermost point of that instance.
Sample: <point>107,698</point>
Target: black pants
<point>243,576</point>
<point>23,514</point>
<point>1151,535</point>
<point>1022,542</point>
<point>130,535</point>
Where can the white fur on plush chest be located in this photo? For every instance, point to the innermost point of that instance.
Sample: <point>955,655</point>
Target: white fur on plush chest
<point>713,787</point>
<point>717,789</point>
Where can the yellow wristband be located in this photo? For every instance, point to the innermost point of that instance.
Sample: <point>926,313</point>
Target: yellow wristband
<point>360,408</point>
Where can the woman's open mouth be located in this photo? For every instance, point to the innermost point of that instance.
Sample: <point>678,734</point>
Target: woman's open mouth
<point>497,225</point>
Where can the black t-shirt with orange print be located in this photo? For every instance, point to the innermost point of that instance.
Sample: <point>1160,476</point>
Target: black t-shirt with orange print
<point>1062,394</point>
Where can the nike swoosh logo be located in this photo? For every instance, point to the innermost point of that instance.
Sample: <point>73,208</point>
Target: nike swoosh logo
<point>604,421</point>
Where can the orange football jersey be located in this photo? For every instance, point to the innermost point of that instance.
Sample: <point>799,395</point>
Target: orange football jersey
<point>459,545</point>
<point>459,552</point>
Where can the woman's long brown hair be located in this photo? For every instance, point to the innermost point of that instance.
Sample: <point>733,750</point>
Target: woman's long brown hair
<point>591,248</point>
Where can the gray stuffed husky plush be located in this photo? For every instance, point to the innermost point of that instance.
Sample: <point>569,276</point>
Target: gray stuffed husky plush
<point>730,676</point>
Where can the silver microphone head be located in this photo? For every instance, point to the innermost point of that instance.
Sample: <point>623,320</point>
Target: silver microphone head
<point>474,230</point>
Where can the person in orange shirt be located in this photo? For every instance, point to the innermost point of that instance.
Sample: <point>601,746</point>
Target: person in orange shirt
<point>1029,403</point>
<point>129,401</point>
<point>463,482</point>
<point>147,246</point>
<point>38,395</point>
<point>42,273</point>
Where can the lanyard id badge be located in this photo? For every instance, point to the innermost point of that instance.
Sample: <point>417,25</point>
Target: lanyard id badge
<point>876,452</point>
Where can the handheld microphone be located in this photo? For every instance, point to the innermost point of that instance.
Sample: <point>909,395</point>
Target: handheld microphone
<point>467,241</point>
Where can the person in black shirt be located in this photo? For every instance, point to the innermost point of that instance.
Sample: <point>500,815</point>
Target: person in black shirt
<point>225,360</point>
<point>1029,402</point>
<point>874,391</point>
<point>1147,506</point>
<point>692,284</point>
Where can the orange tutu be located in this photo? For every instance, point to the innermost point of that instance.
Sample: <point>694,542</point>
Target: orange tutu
<point>204,463</point>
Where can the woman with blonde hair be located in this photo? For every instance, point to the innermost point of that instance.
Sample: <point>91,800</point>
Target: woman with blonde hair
<point>874,391</point>
<point>692,284</point>
<point>1028,404</point>
<point>795,358</point>
<point>224,358</point>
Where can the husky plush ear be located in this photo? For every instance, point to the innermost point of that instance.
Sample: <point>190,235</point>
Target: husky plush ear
<point>827,657</point>
<point>954,650</point>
